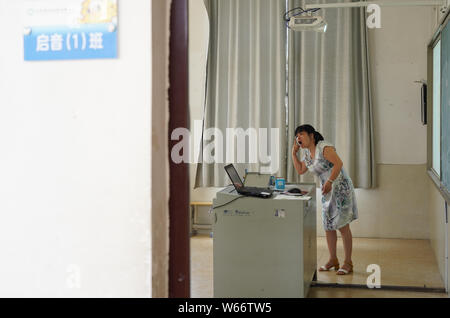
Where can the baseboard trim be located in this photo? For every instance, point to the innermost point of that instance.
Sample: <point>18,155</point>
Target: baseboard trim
<point>424,289</point>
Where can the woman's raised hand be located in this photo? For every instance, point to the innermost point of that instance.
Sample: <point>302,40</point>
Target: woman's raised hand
<point>295,147</point>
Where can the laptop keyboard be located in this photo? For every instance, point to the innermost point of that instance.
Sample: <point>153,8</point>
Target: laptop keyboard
<point>254,189</point>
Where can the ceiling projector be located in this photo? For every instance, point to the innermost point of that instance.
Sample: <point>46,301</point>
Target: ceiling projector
<point>307,23</point>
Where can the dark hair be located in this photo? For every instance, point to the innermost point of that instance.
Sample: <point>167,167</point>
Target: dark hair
<point>309,130</point>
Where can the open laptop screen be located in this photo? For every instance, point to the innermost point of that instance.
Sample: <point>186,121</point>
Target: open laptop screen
<point>234,176</point>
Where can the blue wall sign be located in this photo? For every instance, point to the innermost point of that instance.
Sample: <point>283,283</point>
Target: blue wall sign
<point>90,31</point>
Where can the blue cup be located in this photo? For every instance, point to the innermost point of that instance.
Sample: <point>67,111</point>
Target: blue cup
<point>280,184</point>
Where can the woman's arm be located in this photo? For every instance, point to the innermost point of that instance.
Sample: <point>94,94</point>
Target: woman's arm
<point>330,154</point>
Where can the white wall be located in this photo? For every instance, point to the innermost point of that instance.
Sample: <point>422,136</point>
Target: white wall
<point>398,52</point>
<point>436,214</point>
<point>75,166</point>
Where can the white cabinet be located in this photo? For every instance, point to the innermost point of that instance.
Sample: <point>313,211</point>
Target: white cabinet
<point>264,247</point>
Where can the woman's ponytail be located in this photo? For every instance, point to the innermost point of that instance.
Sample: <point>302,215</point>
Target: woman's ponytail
<point>317,137</point>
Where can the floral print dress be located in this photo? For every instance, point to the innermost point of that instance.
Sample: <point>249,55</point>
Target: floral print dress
<point>339,205</point>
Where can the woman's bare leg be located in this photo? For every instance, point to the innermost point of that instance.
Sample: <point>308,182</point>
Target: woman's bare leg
<point>347,240</point>
<point>332,242</point>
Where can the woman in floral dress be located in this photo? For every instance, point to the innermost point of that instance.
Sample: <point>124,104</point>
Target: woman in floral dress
<point>338,195</point>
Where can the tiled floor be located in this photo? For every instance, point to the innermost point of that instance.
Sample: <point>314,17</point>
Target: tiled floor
<point>201,267</point>
<point>402,263</point>
<point>321,292</point>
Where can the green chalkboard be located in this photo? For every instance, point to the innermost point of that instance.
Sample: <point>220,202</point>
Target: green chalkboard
<point>445,107</point>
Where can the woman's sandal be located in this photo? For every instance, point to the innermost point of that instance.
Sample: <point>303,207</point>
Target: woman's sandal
<point>329,267</point>
<point>343,271</point>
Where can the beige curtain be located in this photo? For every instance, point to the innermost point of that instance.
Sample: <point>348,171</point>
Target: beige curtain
<point>246,79</point>
<point>328,83</point>
<point>329,88</point>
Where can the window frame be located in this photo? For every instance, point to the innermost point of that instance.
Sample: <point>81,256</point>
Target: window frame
<point>437,175</point>
<point>436,179</point>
